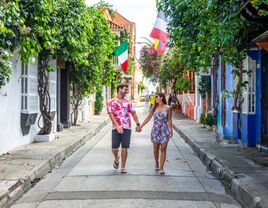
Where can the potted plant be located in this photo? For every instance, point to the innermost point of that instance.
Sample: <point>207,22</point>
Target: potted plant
<point>203,119</point>
<point>210,120</point>
<point>98,102</point>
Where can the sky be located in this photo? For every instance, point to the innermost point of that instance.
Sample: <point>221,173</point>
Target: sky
<point>142,12</point>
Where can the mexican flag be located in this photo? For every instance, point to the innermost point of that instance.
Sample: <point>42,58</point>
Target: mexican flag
<point>122,53</point>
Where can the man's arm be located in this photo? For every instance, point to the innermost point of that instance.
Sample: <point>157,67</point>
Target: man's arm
<point>118,128</point>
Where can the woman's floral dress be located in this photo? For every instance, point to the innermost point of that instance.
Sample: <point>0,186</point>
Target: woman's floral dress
<point>160,131</point>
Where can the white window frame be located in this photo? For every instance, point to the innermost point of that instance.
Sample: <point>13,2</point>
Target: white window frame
<point>24,88</point>
<point>249,93</point>
<point>29,93</point>
<point>53,90</point>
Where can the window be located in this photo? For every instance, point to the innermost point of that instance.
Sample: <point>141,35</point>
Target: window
<point>249,93</point>
<point>53,90</point>
<point>24,87</point>
<point>29,94</point>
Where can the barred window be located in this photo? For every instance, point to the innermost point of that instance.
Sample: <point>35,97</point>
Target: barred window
<point>249,93</point>
<point>29,94</point>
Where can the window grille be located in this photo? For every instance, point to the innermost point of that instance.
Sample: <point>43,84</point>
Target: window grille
<point>249,93</point>
<point>29,94</point>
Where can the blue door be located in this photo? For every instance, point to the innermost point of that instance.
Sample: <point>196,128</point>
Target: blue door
<point>264,99</point>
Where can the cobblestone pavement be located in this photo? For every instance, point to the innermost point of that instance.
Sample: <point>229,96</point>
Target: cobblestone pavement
<point>87,178</point>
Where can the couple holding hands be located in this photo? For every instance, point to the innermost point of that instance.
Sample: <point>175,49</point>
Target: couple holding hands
<point>120,109</point>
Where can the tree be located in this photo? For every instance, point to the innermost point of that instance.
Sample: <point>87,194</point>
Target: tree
<point>10,24</point>
<point>207,31</point>
<point>89,77</point>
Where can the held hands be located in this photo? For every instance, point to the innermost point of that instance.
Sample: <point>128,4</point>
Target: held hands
<point>138,128</point>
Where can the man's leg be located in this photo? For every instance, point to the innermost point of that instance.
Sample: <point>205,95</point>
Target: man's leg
<point>125,141</point>
<point>115,153</point>
<point>115,145</point>
<point>123,157</point>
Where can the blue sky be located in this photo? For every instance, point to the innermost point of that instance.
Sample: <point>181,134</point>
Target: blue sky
<point>142,12</point>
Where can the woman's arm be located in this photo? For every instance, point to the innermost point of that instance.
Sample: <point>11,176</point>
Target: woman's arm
<point>170,121</point>
<point>148,118</point>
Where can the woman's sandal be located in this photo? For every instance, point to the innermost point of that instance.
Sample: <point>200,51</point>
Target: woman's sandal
<point>162,172</point>
<point>123,170</point>
<point>116,164</point>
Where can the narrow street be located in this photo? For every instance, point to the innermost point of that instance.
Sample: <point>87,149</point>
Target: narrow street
<point>87,178</point>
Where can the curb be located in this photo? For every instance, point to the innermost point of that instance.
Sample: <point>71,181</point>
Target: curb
<point>247,197</point>
<point>16,190</point>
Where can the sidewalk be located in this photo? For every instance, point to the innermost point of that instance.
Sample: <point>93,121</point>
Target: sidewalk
<point>23,166</point>
<point>244,171</point>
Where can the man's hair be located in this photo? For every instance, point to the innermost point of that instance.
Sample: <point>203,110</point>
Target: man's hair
<point>121,86</point>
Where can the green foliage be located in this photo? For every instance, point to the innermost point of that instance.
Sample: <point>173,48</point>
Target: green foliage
<point>96,69</point>
<point>171,68</point>
<point>141,87</point>
<point>99,101</point>
<point>203,118</point>
<point>204,86</point>
<point>10,24</point>
<point>201,30</point>
<point>261,6</point>
<point>182,84</point>
<point>210,119</point>
<point>206,32</point>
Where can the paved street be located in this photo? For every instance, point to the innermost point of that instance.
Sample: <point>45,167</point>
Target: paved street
<point>87,179</point>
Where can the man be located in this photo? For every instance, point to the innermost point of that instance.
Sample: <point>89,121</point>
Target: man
<point>119,110</point>
<point>152,100</point>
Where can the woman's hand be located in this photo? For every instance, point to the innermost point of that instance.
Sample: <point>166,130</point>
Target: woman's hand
<point>170,132</point>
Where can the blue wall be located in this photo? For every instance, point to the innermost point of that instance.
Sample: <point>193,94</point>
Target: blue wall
<point>251,123</point>
<point>219,109</point>
<point>228,129</point>
<point>258,97</point>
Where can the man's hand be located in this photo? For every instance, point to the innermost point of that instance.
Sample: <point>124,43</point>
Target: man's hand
<point>120,130</point>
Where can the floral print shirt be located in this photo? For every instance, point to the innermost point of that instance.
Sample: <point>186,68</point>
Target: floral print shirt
<point>121,109</point>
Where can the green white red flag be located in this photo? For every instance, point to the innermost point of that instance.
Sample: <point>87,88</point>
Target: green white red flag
<point>122,53</point>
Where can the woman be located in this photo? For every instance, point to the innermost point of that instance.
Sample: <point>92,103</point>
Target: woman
<point>161,131</point>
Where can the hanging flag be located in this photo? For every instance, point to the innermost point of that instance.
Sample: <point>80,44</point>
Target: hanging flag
<point>122,53</point>
<point>160,28</point>
<point>159,46</point>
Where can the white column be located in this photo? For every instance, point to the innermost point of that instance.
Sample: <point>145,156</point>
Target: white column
<point>197,99</point>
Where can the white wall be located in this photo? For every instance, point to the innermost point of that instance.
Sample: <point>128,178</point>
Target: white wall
<point>10,110</point>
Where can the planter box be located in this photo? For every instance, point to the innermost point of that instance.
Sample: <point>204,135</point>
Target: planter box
<point>44,138</point>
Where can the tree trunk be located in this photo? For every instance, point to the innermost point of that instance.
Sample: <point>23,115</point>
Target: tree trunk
<point>44,96</point>
<point>76,101</point>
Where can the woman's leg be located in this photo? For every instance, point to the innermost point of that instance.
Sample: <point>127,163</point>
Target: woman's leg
<point>163,149</point>
<point>156,155</point>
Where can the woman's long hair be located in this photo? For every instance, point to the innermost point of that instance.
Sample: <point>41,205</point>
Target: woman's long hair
<point>164,100</point>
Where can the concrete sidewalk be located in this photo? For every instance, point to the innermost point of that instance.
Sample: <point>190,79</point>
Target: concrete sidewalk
<point>243,171</point>
<point>23,166</point>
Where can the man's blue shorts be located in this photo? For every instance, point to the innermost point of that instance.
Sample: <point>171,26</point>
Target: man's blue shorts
<point>123,139</point>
